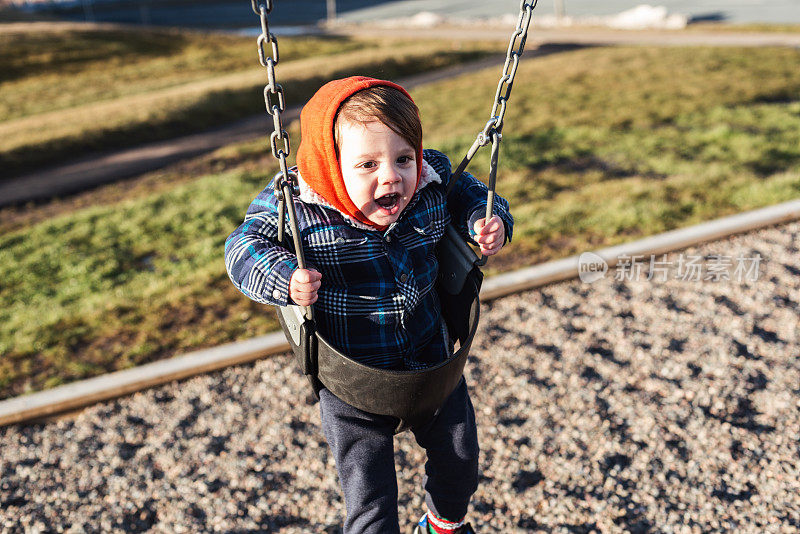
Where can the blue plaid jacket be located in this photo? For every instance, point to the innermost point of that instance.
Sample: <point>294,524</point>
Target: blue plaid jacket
<point>377,302</point>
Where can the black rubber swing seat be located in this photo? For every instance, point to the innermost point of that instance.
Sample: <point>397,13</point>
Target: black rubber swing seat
<point>413,397</point>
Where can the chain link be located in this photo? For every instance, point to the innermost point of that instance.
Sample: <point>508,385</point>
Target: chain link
<point>262,55</point>
<point>267,6</point>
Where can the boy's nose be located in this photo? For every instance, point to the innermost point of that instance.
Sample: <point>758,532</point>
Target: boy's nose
<point>390,175</point>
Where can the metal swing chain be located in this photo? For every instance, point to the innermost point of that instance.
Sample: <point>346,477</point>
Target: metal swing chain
<point>286,184</point>
<point>286,181</point>
<point>513,55</point>
<point>515,49</point>
<point>492,131</point>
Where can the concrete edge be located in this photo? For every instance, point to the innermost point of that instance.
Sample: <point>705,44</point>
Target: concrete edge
<point>80,394</point>
<point>558,270</point>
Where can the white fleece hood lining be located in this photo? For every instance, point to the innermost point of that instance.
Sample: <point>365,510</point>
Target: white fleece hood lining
<point>427,176</point>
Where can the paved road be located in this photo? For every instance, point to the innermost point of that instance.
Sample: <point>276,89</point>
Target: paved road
<point>739,11</point>
<point>237,13</point>
<point>206,13</point>
<point>87,172</point>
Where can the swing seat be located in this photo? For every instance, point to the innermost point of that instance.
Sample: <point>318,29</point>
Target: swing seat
<point>413,397</point>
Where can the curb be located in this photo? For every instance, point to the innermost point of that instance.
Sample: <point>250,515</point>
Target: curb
<point>559,270</point>
<point>80,394</point>
<point>109,386</point>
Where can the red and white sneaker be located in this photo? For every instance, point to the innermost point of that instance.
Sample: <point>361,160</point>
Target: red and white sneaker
<point>423,527</point>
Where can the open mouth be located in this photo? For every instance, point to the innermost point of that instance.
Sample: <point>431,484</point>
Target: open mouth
<point>388,202</point>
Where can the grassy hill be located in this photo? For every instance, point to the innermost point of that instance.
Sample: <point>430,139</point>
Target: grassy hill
<point>72,91</point>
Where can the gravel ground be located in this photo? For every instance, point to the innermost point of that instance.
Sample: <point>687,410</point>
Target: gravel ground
<point>616,406</point>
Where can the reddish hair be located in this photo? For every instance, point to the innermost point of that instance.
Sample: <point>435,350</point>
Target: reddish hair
<point>386,104</point>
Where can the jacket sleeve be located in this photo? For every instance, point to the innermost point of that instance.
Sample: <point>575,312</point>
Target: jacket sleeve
<point>256,263</point>
<point>467,201</point>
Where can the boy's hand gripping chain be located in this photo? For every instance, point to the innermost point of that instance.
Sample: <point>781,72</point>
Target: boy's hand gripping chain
<point>492,132</point>
<point>285,182</point>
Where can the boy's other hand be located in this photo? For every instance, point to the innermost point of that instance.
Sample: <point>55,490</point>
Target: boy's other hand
<point>490,236</point>
<point>303,286</point>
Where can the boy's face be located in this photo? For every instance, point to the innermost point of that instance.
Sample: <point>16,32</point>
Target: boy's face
<point>379,169</point>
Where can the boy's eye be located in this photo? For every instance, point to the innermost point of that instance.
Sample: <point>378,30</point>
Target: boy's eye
<point>404,159</point>
<point>367,164</point>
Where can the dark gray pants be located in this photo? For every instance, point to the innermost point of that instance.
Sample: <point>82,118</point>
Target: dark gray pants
<point>363,447</point>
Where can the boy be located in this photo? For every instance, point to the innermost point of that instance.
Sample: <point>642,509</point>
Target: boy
<point>371,209</point>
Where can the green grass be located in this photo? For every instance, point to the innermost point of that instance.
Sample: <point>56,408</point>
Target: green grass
<point>70,68</point>
<point>72,91</point>
<point>124,283</point>
<point>604,145</point>
<point>600,146</point>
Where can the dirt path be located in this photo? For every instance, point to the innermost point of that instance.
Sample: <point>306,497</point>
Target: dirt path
<point>588,36</point>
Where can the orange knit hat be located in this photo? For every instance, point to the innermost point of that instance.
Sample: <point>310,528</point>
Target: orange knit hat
<point>317,158</point>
